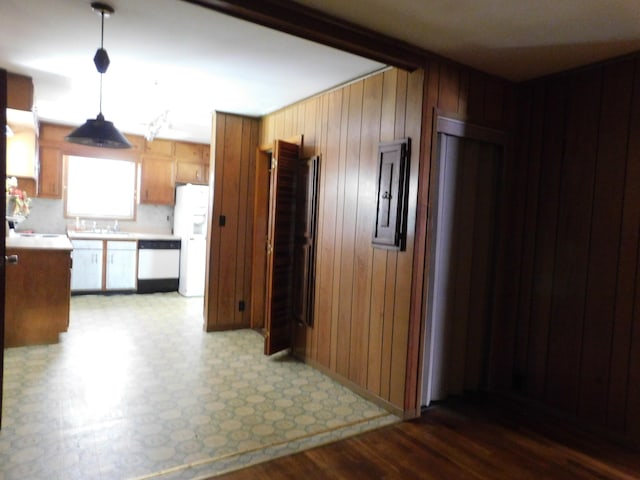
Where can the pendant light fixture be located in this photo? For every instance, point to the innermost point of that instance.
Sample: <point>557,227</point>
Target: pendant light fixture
<point>99,132</point>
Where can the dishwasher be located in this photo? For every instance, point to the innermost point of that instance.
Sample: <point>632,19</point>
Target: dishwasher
<point>158,265</point>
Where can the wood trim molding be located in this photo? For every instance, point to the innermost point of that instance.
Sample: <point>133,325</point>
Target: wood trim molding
<point>314,25</point>
<point>461,128</point>
<point>355,388</point>
<point>3,168</point>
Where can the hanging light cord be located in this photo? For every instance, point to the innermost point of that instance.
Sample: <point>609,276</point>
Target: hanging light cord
<point>101,48</point>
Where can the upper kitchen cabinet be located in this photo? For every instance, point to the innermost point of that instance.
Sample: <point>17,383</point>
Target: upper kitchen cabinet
<point>22,144</point>
<point>158,147</point>
<point>22,140</point>
<point>157,183</point>
<point>19,92</point>
<point>192,163</point>
<point>50,179</point>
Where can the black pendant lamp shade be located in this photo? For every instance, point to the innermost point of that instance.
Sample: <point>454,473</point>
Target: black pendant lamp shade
<point>99,132</point>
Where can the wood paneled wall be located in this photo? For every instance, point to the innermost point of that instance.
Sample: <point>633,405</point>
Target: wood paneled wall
<point>361,318</point>
<point>229,249</point>
<point>478,99</point>
<point>369,301</point>
<point>575,292</point>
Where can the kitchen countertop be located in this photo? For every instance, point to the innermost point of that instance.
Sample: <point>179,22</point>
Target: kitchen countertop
<point>39,241</point>
<point>51,241</point>
<point>121,236</point>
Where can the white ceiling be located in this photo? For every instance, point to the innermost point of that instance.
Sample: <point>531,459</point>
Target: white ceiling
<point>514,39</point>
<point>171,55</point>
<point>165,55</point>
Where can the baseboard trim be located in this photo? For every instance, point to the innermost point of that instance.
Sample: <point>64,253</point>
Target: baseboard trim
<point>381,402</point>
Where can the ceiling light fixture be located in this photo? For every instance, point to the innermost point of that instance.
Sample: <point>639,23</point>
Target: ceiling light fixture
<point>158,123</point>
<point>99,132</point>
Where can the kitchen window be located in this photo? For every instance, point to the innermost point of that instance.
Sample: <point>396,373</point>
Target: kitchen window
<point>100,188</point>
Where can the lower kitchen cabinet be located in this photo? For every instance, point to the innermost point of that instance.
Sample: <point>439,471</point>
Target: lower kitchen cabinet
<point>86,274</point>
<point>121,265</point>
<point>103,265</point>
<point>37,305</point>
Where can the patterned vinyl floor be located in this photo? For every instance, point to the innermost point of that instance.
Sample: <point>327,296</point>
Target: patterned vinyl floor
<point>136,390</point>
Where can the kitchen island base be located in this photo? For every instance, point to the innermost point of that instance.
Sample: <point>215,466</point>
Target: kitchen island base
<point>37,297</point>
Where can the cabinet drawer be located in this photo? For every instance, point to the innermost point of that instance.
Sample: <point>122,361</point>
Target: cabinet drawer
<point>86,244</point>
<point>122,245</point>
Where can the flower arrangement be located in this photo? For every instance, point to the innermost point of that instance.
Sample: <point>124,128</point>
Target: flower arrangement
<point>18,202</point>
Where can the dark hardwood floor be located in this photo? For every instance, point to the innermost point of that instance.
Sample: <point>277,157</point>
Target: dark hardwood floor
<point>460,441</point>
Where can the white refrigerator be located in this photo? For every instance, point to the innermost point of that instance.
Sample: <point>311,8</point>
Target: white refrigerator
<point>190,224</point>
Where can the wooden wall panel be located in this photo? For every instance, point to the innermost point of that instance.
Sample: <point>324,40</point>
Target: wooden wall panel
<point>362,302</point>
<point>482,100</point>
<point>369,307</point>
<point>361,316</point>
<point>624,386</point>
<point>605,241</point>
<point>229,208</point>
<point>347,247</point>
<point>536,311</point>
<point>577,345</point>
<point>572,243</point>
<point>230,245</point>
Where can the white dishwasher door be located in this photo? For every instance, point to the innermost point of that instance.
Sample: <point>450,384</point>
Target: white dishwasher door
<point>157,263</point>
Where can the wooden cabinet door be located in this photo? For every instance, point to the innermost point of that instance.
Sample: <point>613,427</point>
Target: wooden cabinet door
<point>50,177</point>
<point>188,152</point>
<point>37,297</point>
<point>192,165</point>
<point>158,147</point>
<point>191,173</point>
<point>281,241</point>
<point>157,185</point>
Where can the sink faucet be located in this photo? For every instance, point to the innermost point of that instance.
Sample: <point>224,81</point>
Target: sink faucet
<point>115,225</point>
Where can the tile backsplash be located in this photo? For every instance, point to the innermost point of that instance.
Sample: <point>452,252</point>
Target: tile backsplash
<point>47,216</point>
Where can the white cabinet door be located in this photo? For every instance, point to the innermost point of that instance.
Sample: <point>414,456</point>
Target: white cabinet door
<point>86,273</point>
<point>121,265</point>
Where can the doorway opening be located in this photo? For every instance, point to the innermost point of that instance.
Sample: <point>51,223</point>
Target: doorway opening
<point>285,211</point>
<point>465,202</point>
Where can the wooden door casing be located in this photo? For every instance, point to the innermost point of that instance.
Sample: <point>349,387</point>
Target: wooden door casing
<point>280,250</point>
<point>3,170</point>
<point>260,239</point>
<point>304,254</point>
<point>462,276</point>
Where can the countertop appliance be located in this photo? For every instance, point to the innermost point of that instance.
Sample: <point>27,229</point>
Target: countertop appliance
<point>190,224</point>
<point>158,265</point>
